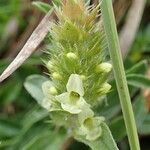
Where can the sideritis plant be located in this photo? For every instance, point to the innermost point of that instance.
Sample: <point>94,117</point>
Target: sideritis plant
<point>78,73</point>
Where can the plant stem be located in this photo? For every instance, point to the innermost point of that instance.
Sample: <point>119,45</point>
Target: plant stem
<point>119,73</point>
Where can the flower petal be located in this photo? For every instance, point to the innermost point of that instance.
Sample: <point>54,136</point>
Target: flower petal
<point>91,128</point>
<point>98,120</point>
<point>62,97</point>
<point>70,105</point>
<point>75,84</point>
<point>94,134</point>
<point>71,109</point>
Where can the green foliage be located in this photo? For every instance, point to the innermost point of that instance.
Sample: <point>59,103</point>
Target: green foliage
<point>7,8</point>
<point>138,80</point>
<point>24,125</point>
<point>139,68</point>
<point>118,129</point>
<point>26,134</point>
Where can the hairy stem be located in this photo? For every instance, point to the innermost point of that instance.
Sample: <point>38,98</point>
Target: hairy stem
<point>119,73</point>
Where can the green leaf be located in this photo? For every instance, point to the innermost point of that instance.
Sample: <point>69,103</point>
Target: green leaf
<point>137,68</point>
<point>10,91</point>
<point>138,80</point>
<point>118,128</point>
<point>49,140</point>
<point>105,142</point>
<point>30,120</point>
<point>34,115</point>
<point>44,7</point>
<point>144,129</point>
<point>117,125</point>
<point>33,85</point>
<point>8,129</point>
<point>142,116</point>
<point>139,111</point>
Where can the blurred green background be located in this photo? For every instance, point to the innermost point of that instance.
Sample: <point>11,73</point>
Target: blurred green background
<point>23,124</point>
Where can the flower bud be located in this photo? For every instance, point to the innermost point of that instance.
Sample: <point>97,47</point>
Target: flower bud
<point>83,77</point>
<point>50,65</point>
<point>71,56</point>
<point>53,90</point>
<point>56,76</point>
<point>104,68</point>
<point>104,89</point>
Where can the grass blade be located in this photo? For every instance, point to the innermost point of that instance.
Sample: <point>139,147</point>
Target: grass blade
<point>119,73</point>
